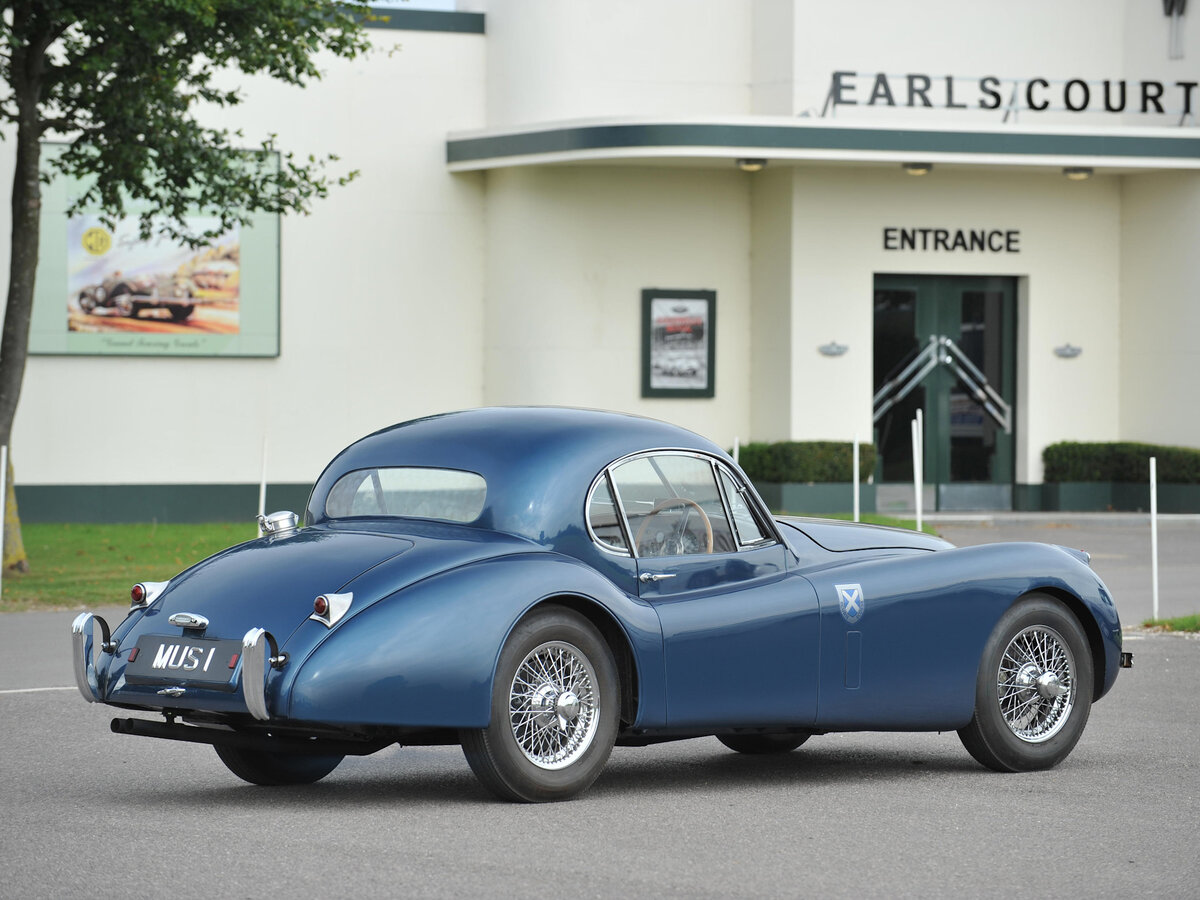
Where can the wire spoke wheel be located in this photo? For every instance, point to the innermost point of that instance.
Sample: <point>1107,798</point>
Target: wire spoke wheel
<point>1035,684</point>
<point>553,707</point>
<point>555,710</point>
<point>1034,688</point>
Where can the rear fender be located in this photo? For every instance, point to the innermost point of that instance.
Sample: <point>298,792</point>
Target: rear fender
<point>426,655</point>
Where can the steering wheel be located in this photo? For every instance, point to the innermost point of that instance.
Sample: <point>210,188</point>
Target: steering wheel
<point>671,503</point>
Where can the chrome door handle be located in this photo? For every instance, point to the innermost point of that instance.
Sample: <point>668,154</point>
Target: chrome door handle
<point>647,578</point>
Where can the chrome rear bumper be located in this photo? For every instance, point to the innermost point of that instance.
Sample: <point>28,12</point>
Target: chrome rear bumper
<point>255,664</point>
<point>260,653</point>
<point>84,654</point>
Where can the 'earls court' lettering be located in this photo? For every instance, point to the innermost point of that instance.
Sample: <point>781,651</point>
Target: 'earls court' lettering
<point>1034,94</point>
<point>948,240</point>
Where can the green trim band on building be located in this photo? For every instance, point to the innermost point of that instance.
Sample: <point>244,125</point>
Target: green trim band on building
<point>108,503</point>
<point>154,502</point>
<point>426,20</point>
<point>741,137</point>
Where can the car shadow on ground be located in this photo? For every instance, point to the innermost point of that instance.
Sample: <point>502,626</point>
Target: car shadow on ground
<point>418,777</point>
<point>715,767</point>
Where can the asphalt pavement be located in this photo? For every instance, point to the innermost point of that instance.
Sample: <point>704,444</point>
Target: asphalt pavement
<point>86,813</point>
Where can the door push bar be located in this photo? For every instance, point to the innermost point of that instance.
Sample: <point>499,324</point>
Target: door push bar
<point>941,351</point>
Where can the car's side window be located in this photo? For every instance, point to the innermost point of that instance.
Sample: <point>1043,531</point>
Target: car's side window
<point>604,520</point>
<point>673,506</point>
<point>747,527</point>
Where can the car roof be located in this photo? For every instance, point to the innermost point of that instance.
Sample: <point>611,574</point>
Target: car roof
<point>538,462</point>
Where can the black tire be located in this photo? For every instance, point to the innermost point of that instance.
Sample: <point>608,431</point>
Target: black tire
<point>179,313</point>
<point>762,744</point>
<point>125,306</point>
<point>87,303</point>
<point>551,735</point>
<point>1033,693</point>
<point>266,768</point>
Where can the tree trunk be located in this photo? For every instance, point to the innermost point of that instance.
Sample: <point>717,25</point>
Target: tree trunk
<point>14,546</point>
<point>27,67</point>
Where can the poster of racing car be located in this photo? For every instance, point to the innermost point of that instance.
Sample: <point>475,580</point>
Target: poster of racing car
<point>117,282</point>
<point>125,295</point>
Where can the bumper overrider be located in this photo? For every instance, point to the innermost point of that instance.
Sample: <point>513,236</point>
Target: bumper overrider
<point>260,654</point>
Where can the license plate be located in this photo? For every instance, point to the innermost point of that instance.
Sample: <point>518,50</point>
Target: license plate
<point>161,658</point>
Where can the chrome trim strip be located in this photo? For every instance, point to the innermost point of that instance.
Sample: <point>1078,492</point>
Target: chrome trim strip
<point>619,504</point>
<point>772,534</point>
<point>726,505</point>
<point>603,478</point>
<point>82,653</point>
<point>762,518</point>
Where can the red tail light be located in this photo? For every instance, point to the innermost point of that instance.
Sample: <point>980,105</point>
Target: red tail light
<point>328,609</point>
<point>144,593</point>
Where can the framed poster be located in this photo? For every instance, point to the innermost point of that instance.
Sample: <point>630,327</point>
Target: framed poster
<point>103,291</point>
<point>678,343</point>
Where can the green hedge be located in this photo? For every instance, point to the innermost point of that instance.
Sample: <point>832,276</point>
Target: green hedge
<point>1120,462</point>
<point>805,462</point>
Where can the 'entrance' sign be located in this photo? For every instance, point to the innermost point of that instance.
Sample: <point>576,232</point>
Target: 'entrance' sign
<point>950,240</point>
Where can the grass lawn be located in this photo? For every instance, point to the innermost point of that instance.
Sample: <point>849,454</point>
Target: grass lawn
<point>79,566</point>
<point>85,565</point>
<point>1183,623</point>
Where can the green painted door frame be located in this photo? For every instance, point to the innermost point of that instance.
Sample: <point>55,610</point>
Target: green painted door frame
<point>963,443</point>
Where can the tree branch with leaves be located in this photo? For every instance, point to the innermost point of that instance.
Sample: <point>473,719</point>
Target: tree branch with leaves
<point>126,87</point>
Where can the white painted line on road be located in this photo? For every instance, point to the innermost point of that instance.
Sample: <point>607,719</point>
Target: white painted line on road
<point>36,690</point>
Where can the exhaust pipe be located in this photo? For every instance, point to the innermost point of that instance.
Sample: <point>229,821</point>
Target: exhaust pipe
<point>249,741</point>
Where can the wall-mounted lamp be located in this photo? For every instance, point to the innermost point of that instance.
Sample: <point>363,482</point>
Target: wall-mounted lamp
<point>1078,173</point>
<point>751,165</point>
<point>833,348</point>
<point>917,168</point>
<point>1067,351</point>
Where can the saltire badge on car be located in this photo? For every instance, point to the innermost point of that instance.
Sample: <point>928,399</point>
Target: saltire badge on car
<point>851,601</point>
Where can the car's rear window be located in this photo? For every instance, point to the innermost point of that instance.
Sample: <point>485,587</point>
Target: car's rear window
<point>407,491</point>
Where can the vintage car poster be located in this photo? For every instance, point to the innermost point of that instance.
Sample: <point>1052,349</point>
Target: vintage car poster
<point>677,343</point>
<point>104,290</point>
<point>120,284</point>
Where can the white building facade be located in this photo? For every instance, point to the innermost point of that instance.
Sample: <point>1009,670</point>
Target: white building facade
<point>532,168</point>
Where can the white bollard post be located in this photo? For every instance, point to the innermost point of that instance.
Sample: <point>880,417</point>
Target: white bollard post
<point>856,498</point>
<point>1154,533</point>
<point>3,508</point>
<point>918,474</point>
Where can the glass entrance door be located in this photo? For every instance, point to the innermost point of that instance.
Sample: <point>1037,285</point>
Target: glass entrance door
<point>947,345</point>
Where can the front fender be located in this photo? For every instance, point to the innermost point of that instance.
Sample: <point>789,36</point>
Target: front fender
<point>1066,574</point>
<point>426,655</point>
<point>912,661</point>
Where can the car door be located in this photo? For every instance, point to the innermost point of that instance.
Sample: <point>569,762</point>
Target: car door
<point>740,629</point>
